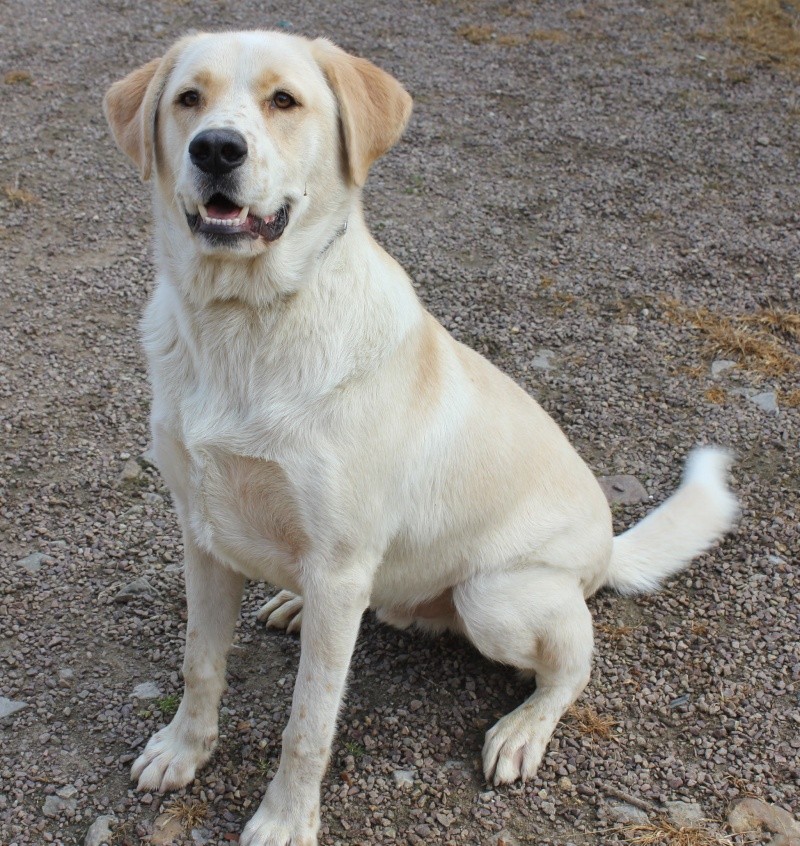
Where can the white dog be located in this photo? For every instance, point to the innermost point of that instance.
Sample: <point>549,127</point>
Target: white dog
<point>319,430</point>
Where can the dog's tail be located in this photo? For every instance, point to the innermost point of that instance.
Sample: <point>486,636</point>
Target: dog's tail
<point>667,539</point>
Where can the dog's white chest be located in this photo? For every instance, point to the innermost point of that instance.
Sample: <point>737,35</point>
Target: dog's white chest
<point>222,448</point>
<point>247,513</point>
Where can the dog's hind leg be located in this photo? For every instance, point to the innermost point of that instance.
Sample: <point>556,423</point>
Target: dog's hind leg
<point>536,620</point>
<point>213,596</point>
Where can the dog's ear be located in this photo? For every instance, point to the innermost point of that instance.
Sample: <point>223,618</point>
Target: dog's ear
<point>130,107</point>
<point>373,106</point>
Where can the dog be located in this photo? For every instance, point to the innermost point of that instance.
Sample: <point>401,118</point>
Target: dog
<point>320,431</point>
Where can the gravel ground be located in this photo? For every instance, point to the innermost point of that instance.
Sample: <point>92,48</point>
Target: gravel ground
<point>570,168</point>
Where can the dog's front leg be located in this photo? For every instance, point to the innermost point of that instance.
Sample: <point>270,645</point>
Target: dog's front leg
<point>213,597</point>
<point>289,812</point>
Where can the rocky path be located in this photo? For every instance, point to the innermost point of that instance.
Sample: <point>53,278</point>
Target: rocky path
<point>602,197</point>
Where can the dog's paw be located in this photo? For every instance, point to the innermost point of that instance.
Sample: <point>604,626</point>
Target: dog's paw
<point>171,759</point>
<point>267,829</point>
<point>513,749</point>
<point>284,611</point>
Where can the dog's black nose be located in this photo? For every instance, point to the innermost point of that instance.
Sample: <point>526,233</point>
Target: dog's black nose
<point>218,151</point>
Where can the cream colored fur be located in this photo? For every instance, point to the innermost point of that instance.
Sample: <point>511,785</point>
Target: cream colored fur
<point>322,432</point>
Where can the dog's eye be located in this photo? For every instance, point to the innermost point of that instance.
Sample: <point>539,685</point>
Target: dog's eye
<point>189,98</point>
<point>282,100</point>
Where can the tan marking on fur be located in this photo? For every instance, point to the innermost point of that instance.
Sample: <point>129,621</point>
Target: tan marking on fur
<point>268,82</point>
<point>428,375</point>
<point>123,107</point>
<point>211,86</point>
<point>373,106</point>
<point>265,501</point>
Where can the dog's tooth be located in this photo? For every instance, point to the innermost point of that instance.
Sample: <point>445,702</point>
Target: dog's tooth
<point>203,211</point>
<point>243,215</point>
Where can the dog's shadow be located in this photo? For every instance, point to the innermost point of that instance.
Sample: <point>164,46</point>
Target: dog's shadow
<point>414,701</point>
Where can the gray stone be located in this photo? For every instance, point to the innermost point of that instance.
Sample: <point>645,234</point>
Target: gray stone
<point>147,690</point>
<point>166,830</point>
<point>148,457</point>
<point>68,791</point>
<point>152,498</point>
<point>720,366</point>
<point>136,590</point>
<point>131,471</point>
<point>55,806</point>
<point>201,836</point>
<point>767,400</point>
<point>9,707</point>
<point>625,332</point>
<point>33,562</point>
<point>753,814</point>
<point>543,360</point>
<point>625,490</point>
<point>626,814</point>
<point>685,814</point>
<point>100,831</point>
<point>404,778</point>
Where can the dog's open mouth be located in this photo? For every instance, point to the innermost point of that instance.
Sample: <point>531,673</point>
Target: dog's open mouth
<point>221,216</point>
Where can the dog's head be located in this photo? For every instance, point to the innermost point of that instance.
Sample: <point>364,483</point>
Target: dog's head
<point>252,135</point>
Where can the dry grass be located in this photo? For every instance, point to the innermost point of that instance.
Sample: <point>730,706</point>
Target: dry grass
<point>188,814</point>
<point>777,321</point>
<point>512,40</point>
<point>483,34</point>
<point>664,833</point>
<point>790,399</point>
<point>556,36</point>
<point>591,724</point>
<point>521,10</point>
<point>768,28</point>
<point>716,395</point>
<point>18,77</point>
<point>615,632</point>
<point>749,338</point>
<point>18,196</point>
<point>477,34</point>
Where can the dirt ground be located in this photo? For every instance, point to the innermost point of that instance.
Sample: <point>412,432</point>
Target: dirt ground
<point>604,198</point>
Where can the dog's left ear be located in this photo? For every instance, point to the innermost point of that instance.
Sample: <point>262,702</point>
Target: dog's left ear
<point>373,106</point>
<point>130,107</point>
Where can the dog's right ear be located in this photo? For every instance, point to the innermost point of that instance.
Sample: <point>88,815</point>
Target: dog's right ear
<point>130,107</point>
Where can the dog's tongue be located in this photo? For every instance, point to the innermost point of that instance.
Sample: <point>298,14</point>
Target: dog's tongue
<point>222,209</point>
